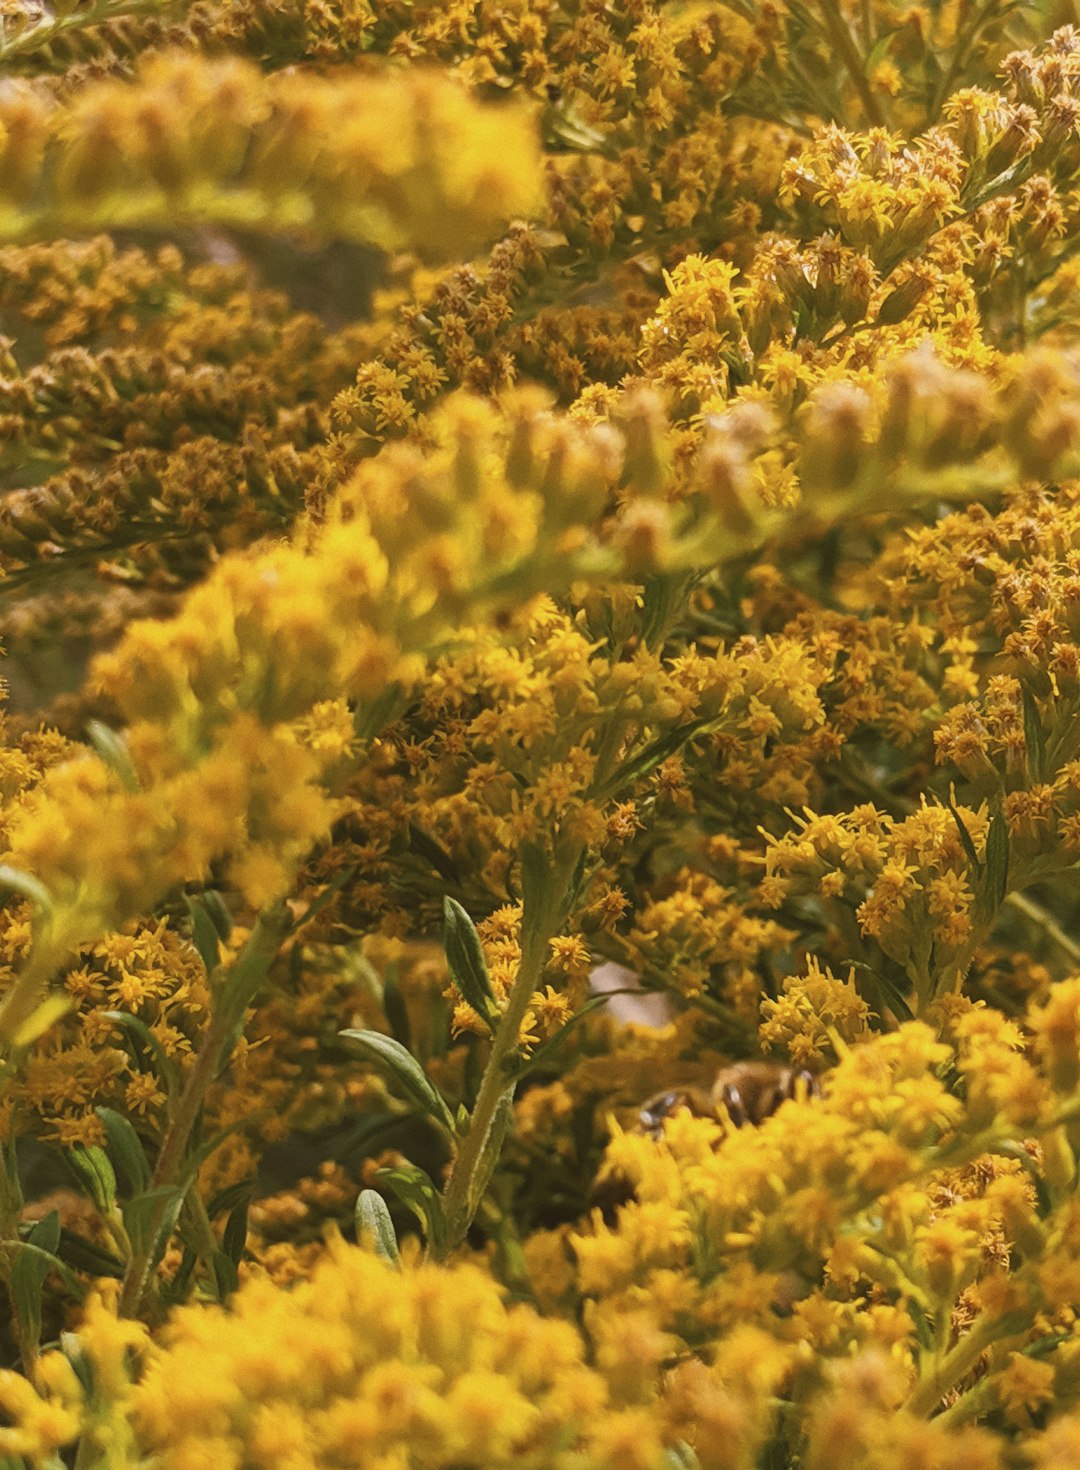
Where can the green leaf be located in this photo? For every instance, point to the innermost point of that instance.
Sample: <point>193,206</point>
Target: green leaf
<point>125,1150</point>
<point>965,840</point>
<point>226,1278</point>
<point>139,1031</point>
<point>204,933</point>
<point>649,758</point>
<point>1034,739</point>
<point>176,1290</point>
<point>234,1236</point>
<point>924,1331</point>
<point>406,1070</point>
<point>47,1260</point>
<point>541,1053</point>
<point>232,1195</point>
<point>371,717</point>
<point>139,1216</point>
<point>897,1001</point>
<point>27,886</point>
<point>84,1255</point>
<point>416,1191</point>
<point>1042,1347</point>
<point>996,878</point>
<point>95,1171</point>
<point>327,896</point>
<point>425,846</point>
<point>465,957</point>
<point>217,911</point>
<point>375,1227</point>
<point>880,50</point>
<point>71,1345</point>
<point>28,1273</point>
<point>112,749</point>
<point>40,1019</point>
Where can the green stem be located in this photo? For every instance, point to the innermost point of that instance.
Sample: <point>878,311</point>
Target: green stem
<point>838,29</point>
<point>971,1404</point>
<point>541,915</point>
<point>1046,922</point>
<point>976,19</point>
<point>235,993</point>
<point>959,1361</point>
<point>867,25</point>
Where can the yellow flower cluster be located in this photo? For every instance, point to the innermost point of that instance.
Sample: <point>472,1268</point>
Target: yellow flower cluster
<point>814,1016</point>
<point>424,1364</point>
<point>900,1228</point>
<point>149,973</point>
<point>192,138</point>
<point>909,881</point>
<point>689,580</point>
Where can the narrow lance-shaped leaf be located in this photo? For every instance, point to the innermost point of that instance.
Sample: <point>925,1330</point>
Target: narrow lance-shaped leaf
<point>27,886</point>
<point>373,1224</point>
<point>84,1255</point>
<point>465,957</point>
<point>226,1277</point>
<point>234,1236</point>
<point>95,1171</point>
<point>125,1150</point>
<point>204,933</point>
<point>1034,739</point>
<point>416,1191</point>
<point>149,1218</point>
<point>112,749</point>
<point>404,1067</point>
<point>880,50</point>
<point>217,911</point>
<point>425,846</point>
<point>44,1016</point>
<point>138,1031</point>
<point>231,1196</point>
<point>648,759</point>
<point>51,1261</point>
<point>965,840</point>
<point>539,1057</point>
<point>395,1009</point>
<point>996,880</point>
<point>27,1280</point>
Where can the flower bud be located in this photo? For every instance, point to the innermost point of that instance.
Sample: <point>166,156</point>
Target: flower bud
<point>643,536</point>
<point>648,452</point>
<point>834,438</point>
<point>1022,75</point>
<point>1059,1161</point>
<point>1056,1026</point>
<point>902,301</point>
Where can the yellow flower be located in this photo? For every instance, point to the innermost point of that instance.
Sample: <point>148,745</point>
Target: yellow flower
<point>39,1426</point>
<point>1024,1386</point>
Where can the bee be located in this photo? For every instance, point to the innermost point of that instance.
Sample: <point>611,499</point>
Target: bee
<point>746,1092</point>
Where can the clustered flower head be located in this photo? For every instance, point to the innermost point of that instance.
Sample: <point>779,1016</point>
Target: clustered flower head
<point>501,501</point>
